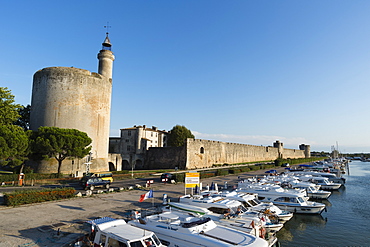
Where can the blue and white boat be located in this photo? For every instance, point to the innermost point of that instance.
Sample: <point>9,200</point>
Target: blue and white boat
<point>251,202</point>
<point>222,207</point>
<point>295,201</point>
<point>182,230</point>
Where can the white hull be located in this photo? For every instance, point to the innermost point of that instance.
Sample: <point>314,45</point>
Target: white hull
<point>319,195</point>
<point>331,187</point>
<point>302,209</point>
<point>338,180</point>
<point>289,200</point>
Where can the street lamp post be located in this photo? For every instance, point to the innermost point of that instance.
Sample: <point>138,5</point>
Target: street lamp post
<point>88,163</point>
<point>132,169</point>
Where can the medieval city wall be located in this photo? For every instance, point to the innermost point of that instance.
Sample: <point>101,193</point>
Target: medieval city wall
<point>165,158</point>
<point>293,153</point>
<point>115,162</point>
<point>205,153</point>
<point>72,167</point>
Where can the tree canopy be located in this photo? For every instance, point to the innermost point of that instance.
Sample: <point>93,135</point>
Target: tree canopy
<point>8,109</point>
<point>13,145</point>
<point>59,143</point>
<point>13,139</point>
<point>178,135</point>
<point>24,117</point>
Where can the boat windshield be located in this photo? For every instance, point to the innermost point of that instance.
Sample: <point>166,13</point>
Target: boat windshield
<point>300,199</point>
<point>150,242</point>
<point>257,201</point>
<point>286,199</point>
<point>201,221</point>
<point>115,242</point>
<point>168,219</point>
<point>238,209</point>
<point>156,240</point>
<point>253,202</point>
<point>310,189</point>
<point>136,244</point>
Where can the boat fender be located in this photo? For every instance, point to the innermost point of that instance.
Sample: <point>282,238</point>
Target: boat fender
<point>262,232</point>
<point>142,221</point>
<point>252,224</point>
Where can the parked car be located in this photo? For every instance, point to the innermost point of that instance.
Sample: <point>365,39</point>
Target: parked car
<point>103,175</point>
<point>168,176</point>
<point>91,183</point>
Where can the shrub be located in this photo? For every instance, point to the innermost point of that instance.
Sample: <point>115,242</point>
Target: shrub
<point>180,177</point>
<point>254,168</point>
<point>235,170</point>
<point>222,172</point>
<point>28,176</point>
<point>245,169</point>
<point>207,174</point>
<point>279,162</point>
<point>121,172</point>
<point>33,196</point>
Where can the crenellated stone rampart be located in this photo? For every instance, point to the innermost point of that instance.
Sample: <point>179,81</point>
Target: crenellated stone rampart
<point>166,157</point>
<point>205,153</point>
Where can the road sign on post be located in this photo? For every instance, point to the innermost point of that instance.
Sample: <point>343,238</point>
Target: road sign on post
<point>191,179</point>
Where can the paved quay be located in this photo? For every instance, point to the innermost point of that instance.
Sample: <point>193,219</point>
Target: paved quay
<point>38,224</point>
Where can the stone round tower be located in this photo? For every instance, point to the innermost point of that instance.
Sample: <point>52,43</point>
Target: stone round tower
<point>76,99</point>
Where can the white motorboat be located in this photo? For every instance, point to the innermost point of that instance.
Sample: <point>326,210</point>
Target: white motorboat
<point>288,181</point>
<point>254,227</point>
<point>322,181</point>
<point>181,230</point>
<point>117,233</point>
<point>222,207</point>
<point>291,200</point>
<point>331,176</point>
<point>311,190</point>
<point>251,202</point>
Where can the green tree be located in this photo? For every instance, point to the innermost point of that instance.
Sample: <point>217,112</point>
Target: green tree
<point>8,109</point>
<point>24,117</point>
<point>58,143</point>
<point>178,135</point>
<point>13,139</point>
<point>13,145</point>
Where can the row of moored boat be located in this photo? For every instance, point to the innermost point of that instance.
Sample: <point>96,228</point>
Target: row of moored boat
<point>250,215</point>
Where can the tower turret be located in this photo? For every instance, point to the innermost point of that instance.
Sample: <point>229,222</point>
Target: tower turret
<point>106,59</point>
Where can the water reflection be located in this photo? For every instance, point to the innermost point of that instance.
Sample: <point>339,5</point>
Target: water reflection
<point>327,203</point>
<point>347,206</point>
<point>299,224</point>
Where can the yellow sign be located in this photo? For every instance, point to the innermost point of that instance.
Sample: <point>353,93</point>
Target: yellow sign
<point>191,179</point>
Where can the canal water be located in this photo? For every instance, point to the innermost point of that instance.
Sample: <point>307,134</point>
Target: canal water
<point>347,220</point>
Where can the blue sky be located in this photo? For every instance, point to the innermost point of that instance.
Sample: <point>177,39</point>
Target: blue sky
<point>249,72</point>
